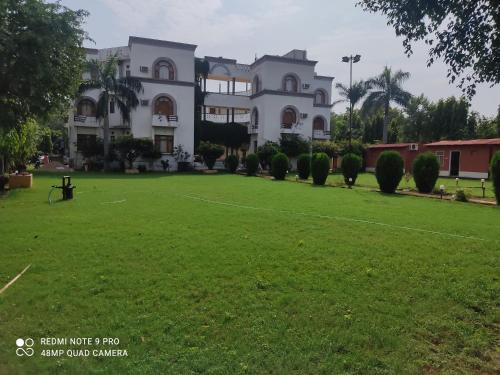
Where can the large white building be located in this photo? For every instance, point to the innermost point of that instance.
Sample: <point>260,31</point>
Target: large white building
<point>274,95</point>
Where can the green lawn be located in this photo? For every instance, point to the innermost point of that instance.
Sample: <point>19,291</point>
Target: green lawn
<point>228,274</point>
<point>471,186</point>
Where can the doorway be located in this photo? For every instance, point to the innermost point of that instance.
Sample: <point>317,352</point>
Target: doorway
<point>455,163</point>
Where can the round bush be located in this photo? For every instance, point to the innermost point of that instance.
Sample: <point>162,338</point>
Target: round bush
<point>495,175</point>
<point>304,166</point>
<point>232,163</point>
<point>210,153</point>
<point>252,163</point>
<point>279,166</point>
<point>351,165</point>
<point>389,171</point>
<point>426,172</point>
<point>320,168</point>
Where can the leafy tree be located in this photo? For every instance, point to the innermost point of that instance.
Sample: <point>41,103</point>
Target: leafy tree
<point>231,135</point>
<point>19,145</point>
<point>464,33</point>
<point>328,147</point>
<point>292,145</point>
<point>351,95</point>
<point>210,153</point>
<point>417,126</point>
<point>41,58</point>
<point>266,152</point>
<point>495,175</point>
<point>386,88</point>
<point>45,140</point>
<point>122,91</point>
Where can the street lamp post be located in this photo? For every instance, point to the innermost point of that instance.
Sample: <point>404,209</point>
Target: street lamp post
<point>351,60</point>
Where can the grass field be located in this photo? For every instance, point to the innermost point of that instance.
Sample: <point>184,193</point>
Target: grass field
<point>228,274</point>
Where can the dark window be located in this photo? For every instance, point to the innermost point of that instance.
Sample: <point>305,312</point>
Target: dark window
<point>86,107</point>
<point>164,106</point>
<point>318,124</point>
<point>83,141</point>
<point>289,118</point>
<point>165,143</point>
<point>112,106</point>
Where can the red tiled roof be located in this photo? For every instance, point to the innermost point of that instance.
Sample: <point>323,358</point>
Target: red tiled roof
<point>390,145</point>
<point>470,142</point>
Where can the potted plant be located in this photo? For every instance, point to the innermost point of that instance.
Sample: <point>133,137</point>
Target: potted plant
<point>182,158</point>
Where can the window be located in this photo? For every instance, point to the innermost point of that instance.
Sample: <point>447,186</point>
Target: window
<point>211,110</point>
<point>86,107</point>
<point>164,69</point>
<point>290,83</point>
<point>255,85</point>
<point>318,124</point>
<point>440,157</point>
<point>164,106</point>
<point>288,118</point>
<point>112,106</point>
<point>319,97</point>
<point>84,141</point>
<point>164,143</point>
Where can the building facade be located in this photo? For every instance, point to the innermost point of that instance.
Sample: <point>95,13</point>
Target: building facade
<point>274,95</point>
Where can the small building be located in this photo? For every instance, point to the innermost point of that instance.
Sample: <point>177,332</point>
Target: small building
<point>408,152</point>
<point>469,158</point>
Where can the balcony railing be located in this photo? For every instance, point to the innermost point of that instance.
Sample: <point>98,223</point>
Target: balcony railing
<point>169,121</point>
<point>85,120</point>
<point>321,134</point>
<point>222,119</point>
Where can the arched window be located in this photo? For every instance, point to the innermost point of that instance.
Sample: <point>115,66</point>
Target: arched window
<point>319,123</point>
<point>255,117</point>
<point>290,83</point>
<point>164,69</point>
<point>288,118</point>
<point>86,107</point>
<point>319,97</point>
<point>255,85</point>
<point>164,106</point>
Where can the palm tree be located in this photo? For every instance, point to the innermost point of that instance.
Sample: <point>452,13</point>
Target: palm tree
<point>121,91</point>
<point>386,88</point>
<point>351,95</point>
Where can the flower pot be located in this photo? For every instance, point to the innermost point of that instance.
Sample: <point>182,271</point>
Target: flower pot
<point>20,180</point>
<point>131,171</point>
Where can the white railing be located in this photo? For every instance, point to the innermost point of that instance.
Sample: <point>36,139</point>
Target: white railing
<point>171,121</point>
<point>222,119</point>
<point>85,120</point>
<point>321,134</point>
<point>236,93</point>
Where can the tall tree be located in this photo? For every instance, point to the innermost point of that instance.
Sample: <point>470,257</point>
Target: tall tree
<point>351,95</point>
<point>464,33</point>
<point>41,58</point>
<point>386,89</point>
<point>417,127</point>
<point>122,91</point>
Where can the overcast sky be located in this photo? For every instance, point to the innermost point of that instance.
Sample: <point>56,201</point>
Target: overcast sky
<point>241,29</point>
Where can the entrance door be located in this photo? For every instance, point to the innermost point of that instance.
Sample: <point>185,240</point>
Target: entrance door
<point>455,163</point>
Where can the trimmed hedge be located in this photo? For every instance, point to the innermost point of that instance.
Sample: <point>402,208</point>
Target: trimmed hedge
<point>351,165</point>
<point>232,163</point>
<point>320,168</point>
<point>210,153</point>
<point>252,164</point>
<point>304,166</point>
<point>426,172</point>
<point>279,166</point>
<point>389,171</point>
<point>495,175</point>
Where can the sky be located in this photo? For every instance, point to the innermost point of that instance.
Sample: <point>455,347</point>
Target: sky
<point>242,29</point>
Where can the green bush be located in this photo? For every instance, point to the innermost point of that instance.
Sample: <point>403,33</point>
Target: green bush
<point>304,166</point>
<point>266,153</point>
<point>495,175</point>
<point>252,164</point>
<point>351,165</point>
<point>320,168</point>
<point>210,153</point>
<point>279,166</point>
<point>461,195</point>
<point>426,172</point>
<point>389,171</point>
<point>292,145</point>
<point>232,163</point>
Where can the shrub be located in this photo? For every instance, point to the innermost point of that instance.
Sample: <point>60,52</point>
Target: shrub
<point>292,145</point>
<point>495,174</point>
<point>328,147</point>
<point>351,165</point>
<point>142,168</point>
<point>279,166</point>
<point>252,164</point>
<point>210,153</point>
<point>320,168</point>
<point>304,166</point>
<point>461,196</point>
<point>389,171</point>
<point>4,180</point>
<point>232,163</point>
<point>426,172</point>
<point>266,153</point>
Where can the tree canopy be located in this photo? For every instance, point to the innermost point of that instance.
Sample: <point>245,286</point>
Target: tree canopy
<point>41,58</point>
<point>464,33</point>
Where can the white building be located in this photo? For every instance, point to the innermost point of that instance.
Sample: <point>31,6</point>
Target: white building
<point>274,95</point>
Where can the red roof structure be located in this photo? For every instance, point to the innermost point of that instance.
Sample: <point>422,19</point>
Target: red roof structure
<point>470,142</point>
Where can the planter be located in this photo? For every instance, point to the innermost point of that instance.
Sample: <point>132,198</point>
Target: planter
<point>20,181</point>
<point>183,166</point>
<point>131,171</point>
<point>210,171</point>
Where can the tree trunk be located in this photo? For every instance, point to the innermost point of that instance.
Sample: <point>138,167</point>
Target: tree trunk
<point>106,137</point>
<point>386,124</point>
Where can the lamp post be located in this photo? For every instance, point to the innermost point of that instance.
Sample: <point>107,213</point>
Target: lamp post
<point>351,60</point>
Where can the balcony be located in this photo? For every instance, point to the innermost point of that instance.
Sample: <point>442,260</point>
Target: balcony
<point>240,118</point>
<point>165,121</point>
<point>253,129</point>
<point>321,134</point>
<point>288,129</point>
<point>79,120</point>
